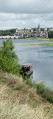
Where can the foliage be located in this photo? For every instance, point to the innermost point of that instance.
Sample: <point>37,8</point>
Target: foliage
<point>50,34</point>
<point>8,58</point>
<point>7,50</point>
<point>44,92</point>
<point>48,94</point>
<point>7,32</point>
<point>50,98</point>
<point>41,90</point>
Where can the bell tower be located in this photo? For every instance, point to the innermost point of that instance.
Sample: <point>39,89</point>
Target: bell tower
<point>39,28</point>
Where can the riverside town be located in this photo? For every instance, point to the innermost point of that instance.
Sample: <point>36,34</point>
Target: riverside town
<point>25,33</point>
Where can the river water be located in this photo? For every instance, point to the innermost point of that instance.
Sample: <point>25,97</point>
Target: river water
<point>41,58</point>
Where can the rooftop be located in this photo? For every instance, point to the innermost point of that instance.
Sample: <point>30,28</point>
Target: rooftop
<point>27,64</point>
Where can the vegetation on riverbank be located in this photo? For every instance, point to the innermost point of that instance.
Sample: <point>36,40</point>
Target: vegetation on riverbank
<point>43,91</point>
<point>50,33</point>
<point>20,97</point>
<point>40,39</point>
<point>9,63</point>
<point>7,32</point>
<point>18,100</point>
<point>44,44</point>
<point>8,58</point>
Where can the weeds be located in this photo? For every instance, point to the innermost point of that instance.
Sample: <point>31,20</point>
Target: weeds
<point>41,90</point>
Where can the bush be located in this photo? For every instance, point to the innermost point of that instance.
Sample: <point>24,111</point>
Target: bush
<point>44,92</point>
<point>40,88</point>
<point>7,50</point>
<point>8,58</point>
<point>48,94</point>
<point>50,98</point>
<point>50,34</point>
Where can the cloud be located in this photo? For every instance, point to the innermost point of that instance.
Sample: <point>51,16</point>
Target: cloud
<point>12,20</point>
<point>26,13</point>
<point>26,6</point>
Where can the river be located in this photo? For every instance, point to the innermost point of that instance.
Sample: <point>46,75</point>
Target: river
<point>41,58</point>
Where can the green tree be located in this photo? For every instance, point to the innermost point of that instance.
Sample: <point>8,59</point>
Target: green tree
<point>7,32</point>
<point>8,58</point>
<point>7,50</point>
<point>50,34</point>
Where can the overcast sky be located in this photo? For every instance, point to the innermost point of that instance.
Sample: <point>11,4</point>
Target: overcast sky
<point>26,13</point>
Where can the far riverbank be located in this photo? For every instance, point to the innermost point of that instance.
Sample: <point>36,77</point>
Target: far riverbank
<point>40,39</point>
<point>17,38</point>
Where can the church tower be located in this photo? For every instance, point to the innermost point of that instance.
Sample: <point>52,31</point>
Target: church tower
<point>39,30</point>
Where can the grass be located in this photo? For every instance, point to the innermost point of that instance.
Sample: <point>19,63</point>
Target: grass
<point>46,44</point>
<point>40,44</point>
<point>19,83</point>
<point>19,100</point>
<point>42,39</point>
<point>46,93</point>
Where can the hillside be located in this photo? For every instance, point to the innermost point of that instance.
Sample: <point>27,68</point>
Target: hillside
<point>19,101</point>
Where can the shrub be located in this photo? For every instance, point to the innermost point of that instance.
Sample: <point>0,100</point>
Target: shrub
<point>50,34</point>
<point>7,50</point>
<point>8,58</point>
<point>40,88</point>
<point>48,94</point>
<point>50,98</point>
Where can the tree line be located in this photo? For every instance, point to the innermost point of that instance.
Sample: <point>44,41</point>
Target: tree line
<point>7,32</point>
<point>50,34</point>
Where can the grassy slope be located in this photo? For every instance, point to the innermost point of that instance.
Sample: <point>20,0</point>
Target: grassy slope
<point>18,101</point>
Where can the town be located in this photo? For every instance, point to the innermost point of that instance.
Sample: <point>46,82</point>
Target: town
<point>25,33</point>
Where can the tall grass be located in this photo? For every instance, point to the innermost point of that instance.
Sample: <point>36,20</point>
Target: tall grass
<point>43,91</point>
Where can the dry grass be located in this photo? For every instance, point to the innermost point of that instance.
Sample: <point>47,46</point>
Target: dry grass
<point>23,102</point>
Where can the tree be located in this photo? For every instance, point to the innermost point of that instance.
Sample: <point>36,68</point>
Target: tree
<point>7,50</point>
<point>7,32</point>
<point>50,34</point>
<point>8,58</point>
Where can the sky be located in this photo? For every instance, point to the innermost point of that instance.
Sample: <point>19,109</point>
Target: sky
<point>26,14</point>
